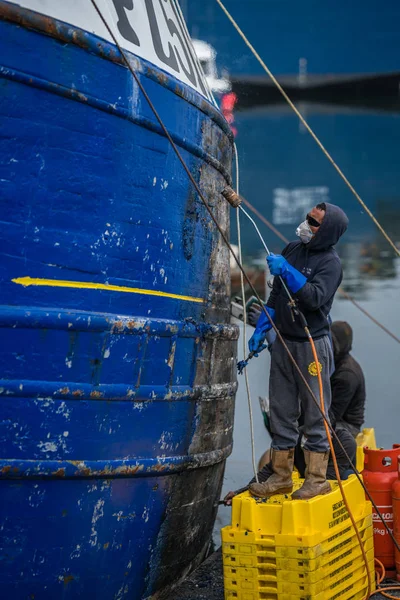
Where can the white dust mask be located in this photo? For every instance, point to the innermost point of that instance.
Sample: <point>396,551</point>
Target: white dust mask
<point>304,232</point>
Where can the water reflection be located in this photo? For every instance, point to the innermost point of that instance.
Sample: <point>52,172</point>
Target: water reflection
<point>284,173</point>
<point>363,262</point>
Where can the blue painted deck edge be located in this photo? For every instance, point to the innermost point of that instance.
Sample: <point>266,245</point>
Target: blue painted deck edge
<point>87,469</point>
<point>53,318</point>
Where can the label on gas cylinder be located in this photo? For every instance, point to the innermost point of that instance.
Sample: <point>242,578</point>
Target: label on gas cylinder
<point>387,515</point>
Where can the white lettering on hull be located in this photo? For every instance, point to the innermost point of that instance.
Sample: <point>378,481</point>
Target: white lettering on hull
<point>151,29</point>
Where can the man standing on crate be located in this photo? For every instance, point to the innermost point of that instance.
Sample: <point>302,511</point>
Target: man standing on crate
<point>312,271</point>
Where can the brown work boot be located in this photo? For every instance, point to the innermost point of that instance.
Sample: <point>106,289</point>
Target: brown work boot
<point>280,481</point>
<point>315,483</point>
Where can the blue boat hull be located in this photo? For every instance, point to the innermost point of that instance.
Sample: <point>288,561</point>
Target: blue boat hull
<point>117,361</point>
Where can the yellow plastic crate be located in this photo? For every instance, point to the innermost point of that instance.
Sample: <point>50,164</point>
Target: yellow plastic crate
<point>330,578</point>
<point>299,522</point>
<point>366,438</point>
<point>342,574</point>
<point>351,586</point>
<point>266,548</point>
<point>281,549</point>
<point>312,566</point>
<point>337,542</point>
<point>354,591</point>
<point>277,573</point>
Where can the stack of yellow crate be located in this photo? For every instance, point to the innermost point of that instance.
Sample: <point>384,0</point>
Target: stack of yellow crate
<point>281,549</point>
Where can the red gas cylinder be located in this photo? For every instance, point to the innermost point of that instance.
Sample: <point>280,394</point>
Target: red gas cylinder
<point>380,472</point>
<point>396,516</point>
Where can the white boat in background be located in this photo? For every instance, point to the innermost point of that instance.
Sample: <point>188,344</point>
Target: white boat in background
<point>221,87</point>
<point>207,57</point>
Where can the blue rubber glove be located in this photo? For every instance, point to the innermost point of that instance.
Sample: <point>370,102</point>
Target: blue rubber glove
<point>278,265</point>
<point>256,342</point>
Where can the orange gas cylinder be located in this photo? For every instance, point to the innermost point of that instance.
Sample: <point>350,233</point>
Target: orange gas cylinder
<point>396,516</point>
<point>380,472</point>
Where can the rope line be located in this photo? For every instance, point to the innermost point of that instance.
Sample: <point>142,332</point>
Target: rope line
<point>307,126</point>
<point>367,314</point>
<point>336,467</point>
<point>341,291</point>
<point>207,207</point>
<point>246,377</point>
<point>264,220</point>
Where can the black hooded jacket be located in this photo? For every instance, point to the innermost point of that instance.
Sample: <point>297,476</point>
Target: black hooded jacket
<point>347,382</point>
<point>320,263</point>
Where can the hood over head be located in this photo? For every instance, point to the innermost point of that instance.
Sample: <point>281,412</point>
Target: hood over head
<point>333,226</point>
<point>342,338</point>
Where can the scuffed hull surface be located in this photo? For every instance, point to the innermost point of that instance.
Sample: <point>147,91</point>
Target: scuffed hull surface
<point>117,360</point>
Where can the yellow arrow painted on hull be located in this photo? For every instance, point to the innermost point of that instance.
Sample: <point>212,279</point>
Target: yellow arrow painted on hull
<point>88,285</point>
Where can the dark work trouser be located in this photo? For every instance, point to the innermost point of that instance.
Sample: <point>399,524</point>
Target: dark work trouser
<point>288,394</point>
<point>349,427</point>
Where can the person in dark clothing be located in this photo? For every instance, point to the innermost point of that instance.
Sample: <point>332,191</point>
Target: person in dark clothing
<point>347,381</point>
<point>312,272</point>
<point>347,407</point>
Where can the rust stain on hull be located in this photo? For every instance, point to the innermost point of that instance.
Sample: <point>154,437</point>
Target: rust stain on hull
<point>68,579</point>
<point>59,473</point>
